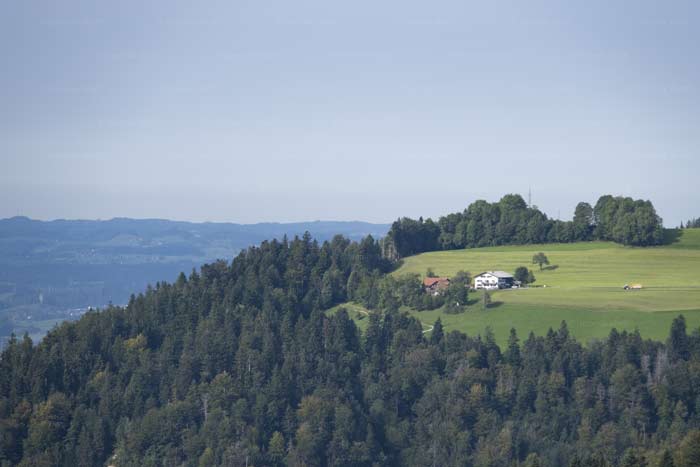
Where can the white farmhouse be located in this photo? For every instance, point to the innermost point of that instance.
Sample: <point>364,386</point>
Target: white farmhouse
<point>493,280</point>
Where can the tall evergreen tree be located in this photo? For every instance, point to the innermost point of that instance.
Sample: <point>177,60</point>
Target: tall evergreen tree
<point>678,340</point>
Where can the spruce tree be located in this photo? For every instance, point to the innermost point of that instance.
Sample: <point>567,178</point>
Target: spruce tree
<point>678,340</point>
<point>437,334</point>
<point>666,459</point>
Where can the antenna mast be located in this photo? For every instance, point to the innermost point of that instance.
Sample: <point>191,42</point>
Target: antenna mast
<point>529,197</point>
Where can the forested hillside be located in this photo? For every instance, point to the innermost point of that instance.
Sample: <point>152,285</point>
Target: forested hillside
<point>237,365</point>
<point>50,271</point>
<point>511,221</point>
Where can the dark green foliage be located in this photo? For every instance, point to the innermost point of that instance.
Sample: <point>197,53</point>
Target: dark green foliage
<point>627,221</point>
<point>582,224</point>
<point>632,459</point>
<point>457,294</point>
<point>410,236</point>
<point>666,460</point>
<point>75,263</point>
<point>390,293</point>
<point>437,334</point>
<point>237,364</point>
<point>533,460</point>
<point>511,222</point>
<point>512,354</point>
<point>678,346</point>
<point>524,275</point>
<point>691,224</point>
<point>521,274</point>
<point>689,450</point>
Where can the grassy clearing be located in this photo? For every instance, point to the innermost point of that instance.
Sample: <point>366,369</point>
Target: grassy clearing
<point>584,287</point>
<point>360,315</point>
<point>357,312</point>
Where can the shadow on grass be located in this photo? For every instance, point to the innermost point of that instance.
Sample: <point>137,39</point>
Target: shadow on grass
<point>396,266</point>
<point>493,305</point>
<point>553,267</point>
<point>672,236</point>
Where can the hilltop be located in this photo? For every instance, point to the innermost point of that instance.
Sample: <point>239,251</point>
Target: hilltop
<point>583,286</point>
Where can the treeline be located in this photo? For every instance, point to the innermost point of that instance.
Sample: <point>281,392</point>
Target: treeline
<point>511,222</point>
<point>388,293</point>
<point>238,365</point>
<point>691,224</point>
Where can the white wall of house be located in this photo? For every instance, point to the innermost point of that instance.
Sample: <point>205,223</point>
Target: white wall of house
<point>486,281</point>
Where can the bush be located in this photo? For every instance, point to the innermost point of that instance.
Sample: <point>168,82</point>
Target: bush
<point>524,275</point>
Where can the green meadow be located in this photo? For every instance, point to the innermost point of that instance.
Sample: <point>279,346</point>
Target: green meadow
<point>582,285</point>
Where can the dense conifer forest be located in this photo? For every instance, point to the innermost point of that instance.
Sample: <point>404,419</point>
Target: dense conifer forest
<point>511,221</point>
<point>238,365</point>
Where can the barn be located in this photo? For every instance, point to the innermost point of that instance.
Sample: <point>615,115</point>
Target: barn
<point>493,280</point>
<point>436,285</point>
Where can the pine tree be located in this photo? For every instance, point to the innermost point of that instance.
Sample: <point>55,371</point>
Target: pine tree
<point>437,334</point>
<point>276,450</point>
<point>678,340</point>
<point>689,450</point>
<point>666,459</point>
<point>512,354</point>
<point>631,459</point>
<point>532,460</point>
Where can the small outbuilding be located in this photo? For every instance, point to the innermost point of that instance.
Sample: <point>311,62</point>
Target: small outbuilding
<point>493,280</point>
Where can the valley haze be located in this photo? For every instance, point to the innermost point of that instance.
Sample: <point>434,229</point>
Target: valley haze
<point>55,270</point>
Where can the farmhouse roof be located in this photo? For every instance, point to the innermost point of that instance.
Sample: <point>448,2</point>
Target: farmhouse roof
<point>499,274</point>
<point>431,281</point>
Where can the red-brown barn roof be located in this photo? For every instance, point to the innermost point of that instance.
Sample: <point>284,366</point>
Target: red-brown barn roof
<point>431,281</point>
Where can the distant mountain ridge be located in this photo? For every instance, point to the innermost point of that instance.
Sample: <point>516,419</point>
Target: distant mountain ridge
<point>25,225</point>
<point>49,267</point>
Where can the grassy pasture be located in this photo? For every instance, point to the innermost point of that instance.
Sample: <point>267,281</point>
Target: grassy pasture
<point>584,324</point>
<point>577,265</point>
<point>584,287</point>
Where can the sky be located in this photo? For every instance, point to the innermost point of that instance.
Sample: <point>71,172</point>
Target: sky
<point>298,110</point>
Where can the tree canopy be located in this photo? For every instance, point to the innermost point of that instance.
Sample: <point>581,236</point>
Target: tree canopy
<point>540,259</point>
<point>510,221</point>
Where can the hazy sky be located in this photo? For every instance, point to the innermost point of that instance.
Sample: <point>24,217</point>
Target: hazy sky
<point>299,110</point>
